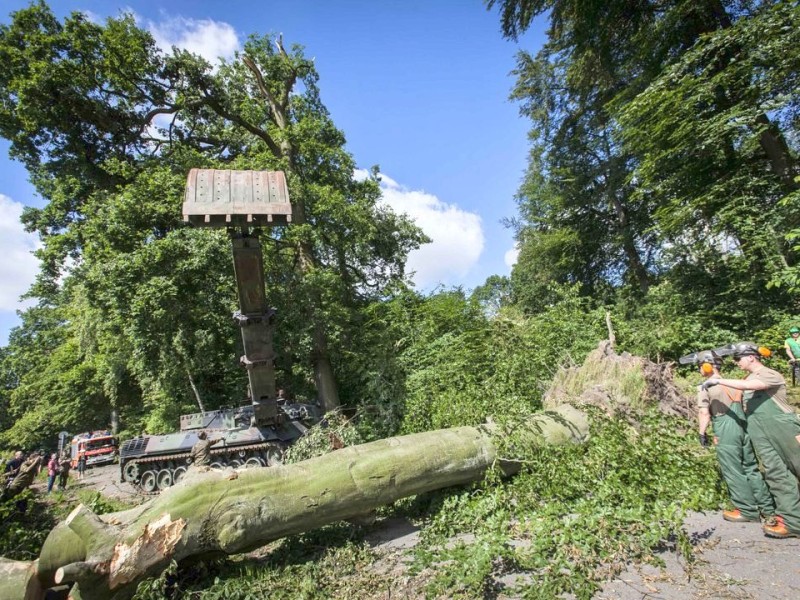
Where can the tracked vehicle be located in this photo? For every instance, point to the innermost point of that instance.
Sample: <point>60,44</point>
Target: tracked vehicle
<point>254,435</point>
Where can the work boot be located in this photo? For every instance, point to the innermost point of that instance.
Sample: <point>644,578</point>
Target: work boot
<point>776,528</point>
<point>736,516</point>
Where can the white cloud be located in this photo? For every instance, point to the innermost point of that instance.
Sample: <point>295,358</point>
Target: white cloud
<point>457,235</point>
<point>511,256</point>
<point>18,267</point>
<point>206,37</point>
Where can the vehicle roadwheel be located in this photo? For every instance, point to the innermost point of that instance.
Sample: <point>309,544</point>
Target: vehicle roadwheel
<point>216,465</point>
<point>236,463</point>
<point>130,472</point>
<point>274,457</point>
<point>178,474</point>
<point>164,479</point>
<point>149,481</point>
<point>254,462</point>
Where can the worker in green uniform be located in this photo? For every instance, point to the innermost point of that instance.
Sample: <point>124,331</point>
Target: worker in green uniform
<point>774,429</point>
<point>722,406</point>
<point>200,454</point>
<point>792,347</point>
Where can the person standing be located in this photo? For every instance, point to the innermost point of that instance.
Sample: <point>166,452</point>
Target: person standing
<point>792,347</point>
<point>722,406</point>
<point>774,429</point>
<point>12,466</point>
<point>52,471</point>
<point>81,466</point>
<point>63,473</point>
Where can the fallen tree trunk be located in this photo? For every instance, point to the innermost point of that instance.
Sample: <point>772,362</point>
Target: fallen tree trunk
<point>211,514</point>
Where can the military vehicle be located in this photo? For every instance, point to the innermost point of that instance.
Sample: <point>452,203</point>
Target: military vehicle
<point>256,434</point>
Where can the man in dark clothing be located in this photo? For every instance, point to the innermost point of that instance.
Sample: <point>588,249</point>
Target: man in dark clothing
<point>13,465</point>
<point>12,468</point>
<point>26,473</point>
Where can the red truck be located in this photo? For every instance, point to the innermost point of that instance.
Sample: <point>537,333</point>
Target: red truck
<point>99,447</point>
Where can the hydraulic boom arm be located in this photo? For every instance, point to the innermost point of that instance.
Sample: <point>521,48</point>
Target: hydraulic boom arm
<point>243,202</point>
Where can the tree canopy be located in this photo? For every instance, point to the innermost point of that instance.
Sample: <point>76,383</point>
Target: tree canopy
<point>661,189</point>
<point>108,126</point>
<point>664,149</point>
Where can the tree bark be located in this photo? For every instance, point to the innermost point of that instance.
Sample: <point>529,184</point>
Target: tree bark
<point>212,514</point>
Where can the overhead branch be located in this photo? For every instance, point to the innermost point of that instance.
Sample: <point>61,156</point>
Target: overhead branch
<point>161,110</point>
<point>238,120</point>
<point>289,83</point>
<point>274,107</point>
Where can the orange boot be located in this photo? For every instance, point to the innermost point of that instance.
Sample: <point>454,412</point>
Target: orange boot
<point>736,516</point>
<point>776,528</point>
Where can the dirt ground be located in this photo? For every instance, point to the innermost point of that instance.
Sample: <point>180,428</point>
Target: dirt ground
<point>736,561</point>
<point>106,480</point>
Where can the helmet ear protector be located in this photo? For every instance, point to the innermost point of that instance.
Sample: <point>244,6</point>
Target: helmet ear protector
<point>747,349</point>
<point>706,368</point>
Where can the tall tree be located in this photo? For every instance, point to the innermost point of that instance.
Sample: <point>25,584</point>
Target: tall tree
<point>108,126</point>
<point>723,170</point>
<point>600,204</point>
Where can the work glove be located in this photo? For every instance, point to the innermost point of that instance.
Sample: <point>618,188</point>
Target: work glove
<point>711,382</point>
<point>704,440</point>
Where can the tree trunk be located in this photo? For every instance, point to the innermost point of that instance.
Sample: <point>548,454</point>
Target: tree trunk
<point>285,149</point>
<point>775,147</point>
<point>114,417</point>
<point>212,514</point>
<point>323,371</point>
<point>197,396</point>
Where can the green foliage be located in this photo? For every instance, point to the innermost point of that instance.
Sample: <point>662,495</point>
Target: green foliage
<point>665,323</point>
<point>139,305</point>
<point>328,563</point>
<point>715,133</point>
<point>99,504</point>
<point>575,515</point>
<point>333,432</point>
<point>664,150</point>
<point>479,367</point>
<point>24,524</point>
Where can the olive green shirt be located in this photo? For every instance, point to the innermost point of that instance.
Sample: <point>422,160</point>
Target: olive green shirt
<point>201,452</point>
<point>775,392</point>
<point>718,399</point>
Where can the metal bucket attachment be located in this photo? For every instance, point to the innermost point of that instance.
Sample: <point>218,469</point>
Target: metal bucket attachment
<point>223,198</point>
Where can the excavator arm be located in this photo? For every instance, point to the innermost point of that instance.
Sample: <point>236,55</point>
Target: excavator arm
<point>244,202</point>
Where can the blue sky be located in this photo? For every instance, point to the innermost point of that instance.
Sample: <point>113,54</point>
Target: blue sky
<point>419,88</point>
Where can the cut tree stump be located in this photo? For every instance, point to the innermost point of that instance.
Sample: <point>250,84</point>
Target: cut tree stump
<point>218,513</point>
